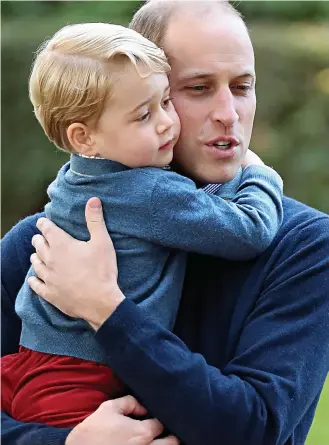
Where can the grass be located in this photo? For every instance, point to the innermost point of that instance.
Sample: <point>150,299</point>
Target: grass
<point>319,434</point>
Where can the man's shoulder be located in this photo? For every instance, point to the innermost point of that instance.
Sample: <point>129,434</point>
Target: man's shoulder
<point>298,214</point>
<point>302,227</point>
<point>25,228</point>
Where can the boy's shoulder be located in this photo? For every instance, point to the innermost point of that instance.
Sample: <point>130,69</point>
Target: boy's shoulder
<point>163,173</point>
<point>103,173</point>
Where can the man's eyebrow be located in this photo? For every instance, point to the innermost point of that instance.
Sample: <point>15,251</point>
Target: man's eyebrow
<point>207,74</point>
<point>147,101</point>
<point>196,75</point>
<point>246,74</point>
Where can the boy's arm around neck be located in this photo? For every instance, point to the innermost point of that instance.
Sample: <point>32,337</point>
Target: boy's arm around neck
<point>186,218</point>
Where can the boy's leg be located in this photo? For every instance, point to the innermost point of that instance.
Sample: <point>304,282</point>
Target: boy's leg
<point>11,371</point>
<point>62,391</point>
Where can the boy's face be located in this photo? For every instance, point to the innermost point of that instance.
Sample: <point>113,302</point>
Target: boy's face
<point>139,127</point>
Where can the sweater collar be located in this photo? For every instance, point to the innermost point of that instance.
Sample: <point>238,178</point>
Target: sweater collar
<point>94,166</point>
<point>99,166</point>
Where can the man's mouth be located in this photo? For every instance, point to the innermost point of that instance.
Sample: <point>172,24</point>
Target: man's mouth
<point>223,143</point>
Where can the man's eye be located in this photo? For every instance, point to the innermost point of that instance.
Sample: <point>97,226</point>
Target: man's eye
<point>145,117</point>
<point>197,88</point>
<point>243,87</point>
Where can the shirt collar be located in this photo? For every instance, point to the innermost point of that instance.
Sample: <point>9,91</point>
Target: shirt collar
<point>228,189</point>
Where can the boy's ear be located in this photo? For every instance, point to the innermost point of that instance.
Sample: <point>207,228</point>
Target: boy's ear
<point>80,138</point>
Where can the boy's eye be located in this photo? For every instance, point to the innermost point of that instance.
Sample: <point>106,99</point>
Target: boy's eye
<point>144,117</point>
<point>166,102</point>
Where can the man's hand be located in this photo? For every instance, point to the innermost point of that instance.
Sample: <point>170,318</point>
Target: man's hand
<point>109,425</point>
<point>79,278</point>
<point>251,159</point>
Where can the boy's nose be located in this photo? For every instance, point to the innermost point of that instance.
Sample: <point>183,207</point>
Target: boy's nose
<point>165,122</point>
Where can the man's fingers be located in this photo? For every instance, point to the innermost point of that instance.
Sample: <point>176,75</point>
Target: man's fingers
<point>95,221</point>
<point>128,405</point>
<point>51,232</point>
<point>39,267</point>
<point>41,246</point>
<point>153,427</point>
<point>37,286</point>
<point>169,440</point>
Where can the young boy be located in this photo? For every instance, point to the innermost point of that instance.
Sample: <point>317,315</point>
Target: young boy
<point>101,92</point>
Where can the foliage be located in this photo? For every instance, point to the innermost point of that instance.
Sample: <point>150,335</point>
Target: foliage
<point>319,434</point>
<point>283,10</point>
<point>292,123</point>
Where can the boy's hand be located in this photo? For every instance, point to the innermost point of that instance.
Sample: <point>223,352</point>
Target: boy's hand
<point>251,159</point>
<point>110,425</point>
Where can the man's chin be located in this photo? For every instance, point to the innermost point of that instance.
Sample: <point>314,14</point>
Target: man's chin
<point>215,176</point>
<point>207,174</point>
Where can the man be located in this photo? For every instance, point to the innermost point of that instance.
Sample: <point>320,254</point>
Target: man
<point>252,347</point>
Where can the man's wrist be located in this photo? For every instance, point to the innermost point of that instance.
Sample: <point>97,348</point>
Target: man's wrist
<point>109,302</point>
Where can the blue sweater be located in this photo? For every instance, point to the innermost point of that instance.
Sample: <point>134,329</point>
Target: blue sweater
<point>154,217</point>
<point>251,349</point>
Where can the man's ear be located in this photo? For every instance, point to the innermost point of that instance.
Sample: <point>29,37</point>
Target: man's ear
<point>80,138</point>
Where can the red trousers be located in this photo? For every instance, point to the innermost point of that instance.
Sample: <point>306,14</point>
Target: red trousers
<point>55,390</point>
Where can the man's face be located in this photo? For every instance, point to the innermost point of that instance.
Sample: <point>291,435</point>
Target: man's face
<point>213,90</point>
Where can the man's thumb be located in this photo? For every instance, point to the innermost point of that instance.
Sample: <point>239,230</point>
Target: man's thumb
<point>95,219</point>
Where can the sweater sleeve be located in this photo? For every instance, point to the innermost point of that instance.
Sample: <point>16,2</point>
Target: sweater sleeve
<point>16,249</point>
<point>264,391</point>
<point>14,432</point>
<point>186,218</point>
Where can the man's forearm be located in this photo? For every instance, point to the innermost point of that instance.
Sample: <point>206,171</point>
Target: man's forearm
<point>18,433</point>
<point>194,400</point>
<point>16,249</point>
<point>261,394</point>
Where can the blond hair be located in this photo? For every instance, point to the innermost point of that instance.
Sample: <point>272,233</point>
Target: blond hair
<point>152,19</point>
<point>72,75</point>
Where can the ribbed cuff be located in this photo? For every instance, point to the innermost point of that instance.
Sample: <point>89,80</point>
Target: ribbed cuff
<point>126,322</point>
<point>262,172</point>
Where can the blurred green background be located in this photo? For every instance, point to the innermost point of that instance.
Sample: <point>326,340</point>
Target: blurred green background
<point>291,133</point>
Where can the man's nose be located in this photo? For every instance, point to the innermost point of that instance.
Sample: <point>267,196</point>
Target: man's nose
<point>224,108</point>
<point>165,122</point>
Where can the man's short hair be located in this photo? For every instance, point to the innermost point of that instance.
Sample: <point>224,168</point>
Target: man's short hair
<point>73,73</point>
<point>152,19</point>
